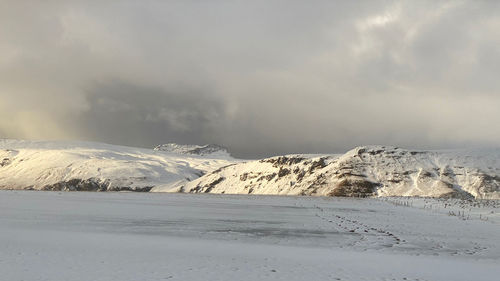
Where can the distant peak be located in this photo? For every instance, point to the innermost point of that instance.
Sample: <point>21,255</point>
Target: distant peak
<point>207,149</point>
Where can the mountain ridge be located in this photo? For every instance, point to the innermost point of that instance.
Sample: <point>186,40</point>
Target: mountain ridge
<point>91,166</point>
<point>364,171</point>
<point>361,172</point>
<point>193,149</point>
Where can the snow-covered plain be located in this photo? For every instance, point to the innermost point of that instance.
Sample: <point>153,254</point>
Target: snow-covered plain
<point>145,236</point>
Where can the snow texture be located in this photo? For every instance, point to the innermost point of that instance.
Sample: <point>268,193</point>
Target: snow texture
<point>74,236</point>
<point>208,149</point>
<point>362,172</point>
<point>87,166</point>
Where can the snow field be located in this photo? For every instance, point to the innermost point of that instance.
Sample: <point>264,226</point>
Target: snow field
<point>145,236</point>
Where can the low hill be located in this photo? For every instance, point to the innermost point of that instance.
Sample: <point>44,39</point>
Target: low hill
<point>361,172</point>
<point>89,166</point>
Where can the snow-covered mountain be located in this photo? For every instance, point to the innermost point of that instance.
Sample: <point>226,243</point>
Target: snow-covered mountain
<point>203,150</point>
<point>89,166</point>
<point>363,171</point>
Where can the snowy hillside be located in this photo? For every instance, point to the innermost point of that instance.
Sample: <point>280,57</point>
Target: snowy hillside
<point>361,172</point>
<point>203,150</point>
<point>96,167</point>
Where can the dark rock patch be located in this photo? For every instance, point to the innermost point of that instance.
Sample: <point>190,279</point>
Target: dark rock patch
<point>5,162</point>
<point>283,172</point>
<point>270,177</point>
<point>318,164</point>
<point>213,184</point>
<point>354,188</point>
<point>283,160</point>
<point>79,185</point>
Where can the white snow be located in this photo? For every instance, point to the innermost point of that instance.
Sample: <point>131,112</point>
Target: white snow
<point>363,171</point>
<point>38,164</point>
<point>208,149</point>
<point>144,236</point>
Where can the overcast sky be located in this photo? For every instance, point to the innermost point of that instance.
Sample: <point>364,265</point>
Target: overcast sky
<point>259,77</point>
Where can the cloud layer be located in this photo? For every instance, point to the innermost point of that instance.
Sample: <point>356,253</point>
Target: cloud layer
<point>260,77</point>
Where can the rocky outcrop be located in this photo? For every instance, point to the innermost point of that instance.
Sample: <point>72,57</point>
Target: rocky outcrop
<point>88,166</point>
<point>92,184</point>
<point>361,172</point>
<point>201,150</point>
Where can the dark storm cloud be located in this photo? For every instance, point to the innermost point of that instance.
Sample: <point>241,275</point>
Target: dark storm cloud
<point>142,115</point>
<point>260,77</point>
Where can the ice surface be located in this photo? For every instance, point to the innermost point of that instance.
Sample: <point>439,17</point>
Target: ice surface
<point>144,236</point>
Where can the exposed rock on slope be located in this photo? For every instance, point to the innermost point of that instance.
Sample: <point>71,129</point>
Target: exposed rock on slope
<point>86,166</point>
<point>363,171</point>
<point>203,150</point>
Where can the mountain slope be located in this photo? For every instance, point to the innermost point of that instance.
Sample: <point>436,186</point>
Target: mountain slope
<point>189,149</point>
<point>363,171</point>
<point>44,165</point>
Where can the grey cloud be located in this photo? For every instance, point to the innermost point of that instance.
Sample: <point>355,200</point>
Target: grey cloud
<point>261,77</point>
<point>131,114</point>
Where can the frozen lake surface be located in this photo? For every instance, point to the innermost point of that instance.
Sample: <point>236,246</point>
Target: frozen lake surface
<point>143,236</point>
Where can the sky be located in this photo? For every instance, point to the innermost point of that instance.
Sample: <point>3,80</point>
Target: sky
<point>261,78</point>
